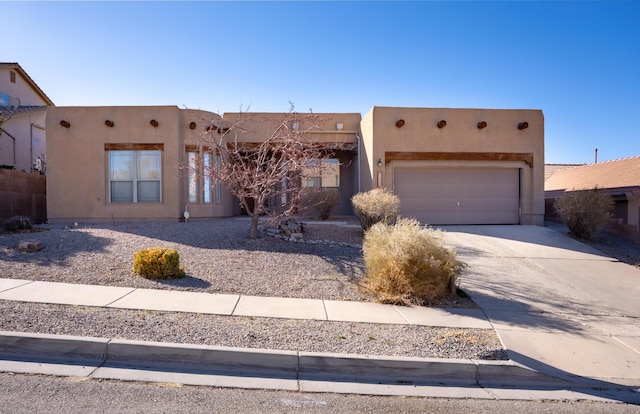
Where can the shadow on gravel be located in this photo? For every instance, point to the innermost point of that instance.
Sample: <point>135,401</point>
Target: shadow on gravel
<point>185,282</point>
<point>232,234</point>
<point>59,246</point>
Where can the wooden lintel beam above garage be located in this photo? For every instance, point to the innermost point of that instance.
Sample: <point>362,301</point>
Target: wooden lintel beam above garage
<point>458,156</point>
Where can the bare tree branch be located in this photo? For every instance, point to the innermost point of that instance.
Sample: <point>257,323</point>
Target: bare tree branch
<point>267,174</point>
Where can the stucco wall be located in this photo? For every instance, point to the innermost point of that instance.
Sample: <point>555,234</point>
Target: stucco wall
<point>77,185</point>
<point>412,130</point>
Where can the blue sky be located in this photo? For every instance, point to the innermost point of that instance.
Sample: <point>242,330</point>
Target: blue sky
<point>579,62</point>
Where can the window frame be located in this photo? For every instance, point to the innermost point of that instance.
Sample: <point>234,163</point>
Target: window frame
<point>205,192</point>
<point>321,181</point>
<point>137,177</point>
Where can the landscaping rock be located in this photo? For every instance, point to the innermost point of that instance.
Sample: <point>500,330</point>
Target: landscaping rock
<point>30,245</point>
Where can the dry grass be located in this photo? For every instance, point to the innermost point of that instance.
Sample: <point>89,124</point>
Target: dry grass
<point>408,264</point>
<point>375,206</point>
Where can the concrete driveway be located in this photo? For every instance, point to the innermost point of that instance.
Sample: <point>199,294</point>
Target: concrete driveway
<point>559,306</point>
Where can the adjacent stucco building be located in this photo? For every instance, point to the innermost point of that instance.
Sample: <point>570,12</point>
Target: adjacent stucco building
<point>448,166</point>
<point>23,109</point>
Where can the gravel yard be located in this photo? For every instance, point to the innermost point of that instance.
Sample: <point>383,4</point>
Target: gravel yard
<point>218,258</point>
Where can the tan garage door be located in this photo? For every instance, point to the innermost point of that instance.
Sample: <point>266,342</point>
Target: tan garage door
<point>459,195</point>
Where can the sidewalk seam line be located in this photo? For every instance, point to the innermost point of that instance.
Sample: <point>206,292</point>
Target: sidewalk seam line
<point>30,282</point>
<point>235,306</point>
<point>121,297</point>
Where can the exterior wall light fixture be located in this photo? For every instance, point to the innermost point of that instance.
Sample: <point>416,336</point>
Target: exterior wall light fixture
<point>379,162</point>
<point>154,123</point>
<point>400,123</point>
<point>65,124</point>
<point>482,125</point>
<point>192,125</point>
<point>442,124</point>
<point>523,125</point>
<point>109,123</point>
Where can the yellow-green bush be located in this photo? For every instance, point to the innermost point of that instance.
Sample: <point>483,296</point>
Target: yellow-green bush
<point>158,263</point>
<point>406,263</point>
<point>375,206</point>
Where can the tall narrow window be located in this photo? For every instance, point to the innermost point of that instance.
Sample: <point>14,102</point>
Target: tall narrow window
<point>207,177</point>
<point>135,176</point>
<point>193,176</point>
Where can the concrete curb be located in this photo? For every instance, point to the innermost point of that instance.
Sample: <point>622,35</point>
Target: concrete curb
<point>286,365</point>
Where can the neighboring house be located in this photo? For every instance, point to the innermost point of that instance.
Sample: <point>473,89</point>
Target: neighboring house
<point>550,169</point>
<point>619,178</point>
<point>23,107</point>
<point>448,166</point>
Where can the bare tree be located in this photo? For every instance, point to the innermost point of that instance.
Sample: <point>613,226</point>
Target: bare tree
<point>266,174</point>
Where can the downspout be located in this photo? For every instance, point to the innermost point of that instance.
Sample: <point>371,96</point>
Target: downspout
<point>359,173</point>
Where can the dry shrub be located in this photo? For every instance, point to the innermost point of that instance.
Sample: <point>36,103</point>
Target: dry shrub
<point>409,264</point>
<point>321,201</point>
<point>375,206</point>
<point>17,223</point>
<point>158,263</point>
<point>584,212</point>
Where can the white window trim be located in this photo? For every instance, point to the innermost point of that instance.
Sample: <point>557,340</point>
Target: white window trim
<point>135,179</point>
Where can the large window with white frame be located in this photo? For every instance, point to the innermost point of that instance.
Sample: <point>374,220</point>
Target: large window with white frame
<point>135,176</point>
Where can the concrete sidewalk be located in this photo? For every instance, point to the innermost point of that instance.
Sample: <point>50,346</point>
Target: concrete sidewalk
<point>238,305</point>
<point>567,315</point>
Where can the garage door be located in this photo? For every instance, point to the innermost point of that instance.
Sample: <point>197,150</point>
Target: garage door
<point>459,195</point>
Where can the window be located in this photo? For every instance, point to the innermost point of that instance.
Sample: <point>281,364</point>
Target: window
<point>12,77</point>
<point>329,178</point>
<point>135,176</point>
<point>200,187</point>
<point>192,156</point>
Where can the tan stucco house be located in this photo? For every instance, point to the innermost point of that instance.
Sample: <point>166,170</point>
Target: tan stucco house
<point>448,166</point>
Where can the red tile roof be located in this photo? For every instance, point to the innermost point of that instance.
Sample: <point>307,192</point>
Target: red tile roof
<point>550,169</point>
<point>616,174</point>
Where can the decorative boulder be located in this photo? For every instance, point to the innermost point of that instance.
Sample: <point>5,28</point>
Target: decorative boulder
<point>30,245</point>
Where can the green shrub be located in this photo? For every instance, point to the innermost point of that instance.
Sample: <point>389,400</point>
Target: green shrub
<point>375,206</point>
<point>406,263</point>
<point>584,211</point>
<point>158,263</point>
